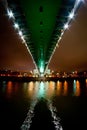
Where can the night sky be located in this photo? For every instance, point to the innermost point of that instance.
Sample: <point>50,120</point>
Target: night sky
<point>13,53</point>
<point>71,54</point>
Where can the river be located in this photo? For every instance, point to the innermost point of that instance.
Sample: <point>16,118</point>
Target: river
<point>60,105</point>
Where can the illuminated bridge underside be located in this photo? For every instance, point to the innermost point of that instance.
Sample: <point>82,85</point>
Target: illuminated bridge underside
<point>41,22</point>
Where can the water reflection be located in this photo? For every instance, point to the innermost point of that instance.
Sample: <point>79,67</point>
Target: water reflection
<point>4,86</point>
<point>9,88</point>
<point>51,89</point>
<point>25,84</point>
<point>30,89</point>
<point>65,88</point>
<point>41,92</point>
<point>38,91</point>
<point>46,90</point>
<point>86,82</point>
<point>56,119</point>
<point>59,88</point>
<point>76,88</point>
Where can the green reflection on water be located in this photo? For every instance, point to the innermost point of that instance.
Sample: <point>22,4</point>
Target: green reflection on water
<point>41,92</point>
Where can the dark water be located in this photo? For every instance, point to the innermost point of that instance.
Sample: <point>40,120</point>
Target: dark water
<point>43,105</point>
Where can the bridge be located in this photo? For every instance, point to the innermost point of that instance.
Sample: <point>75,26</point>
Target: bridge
<point>41,25</point>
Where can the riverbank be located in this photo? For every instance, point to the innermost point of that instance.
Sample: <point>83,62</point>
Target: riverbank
<point>28,79</point>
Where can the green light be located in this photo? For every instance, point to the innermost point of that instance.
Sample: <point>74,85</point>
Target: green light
<point>41,92</point>
<point>41,67</point>
<point>41,20</point>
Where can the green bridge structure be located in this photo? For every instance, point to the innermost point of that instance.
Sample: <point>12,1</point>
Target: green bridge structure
<point>41,24</point>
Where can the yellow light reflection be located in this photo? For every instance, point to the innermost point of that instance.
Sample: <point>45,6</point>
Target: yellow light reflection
<point>36,87</point>
<point>51,89</point>
<point>86,82</point>
<point>47,86</point>
<point>51,84</point>
<point>65,90</point>
<point>30,89</point>
<point>31,85</point>
<point>59,88</point>
<point>77,89</point>
<point>9,87</point>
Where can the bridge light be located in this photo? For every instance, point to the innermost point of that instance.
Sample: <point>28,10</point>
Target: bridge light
<point>20,33</point>
<point>62,33</point>
<point>71,15</point>
<point>66,26</point>
<point>22,37</point>
<point>10,13</point>
<point>16,26</point>
<point>80,1</point>
<point>41,69</point>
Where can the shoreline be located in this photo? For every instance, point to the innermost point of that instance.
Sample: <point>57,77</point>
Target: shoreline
<point>28,79</point>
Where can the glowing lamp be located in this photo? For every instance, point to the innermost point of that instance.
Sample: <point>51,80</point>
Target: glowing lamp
<point>66,26</point>
<point>10,14</point>
<point>71,15</point>
<point>16,26</point>
<point>20,33</point>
